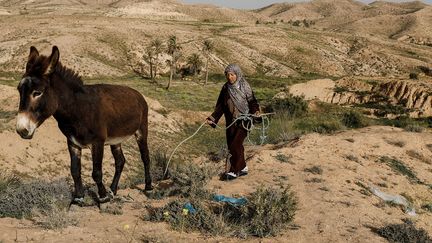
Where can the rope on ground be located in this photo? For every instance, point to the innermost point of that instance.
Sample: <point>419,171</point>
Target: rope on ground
<point>247,123</point>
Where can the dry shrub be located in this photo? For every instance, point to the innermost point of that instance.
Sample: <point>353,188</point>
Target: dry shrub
<point>56,218</point>
<point>406,232</point>
<point>19,200</point>
<point>267,212</point>
<point>187,180</point>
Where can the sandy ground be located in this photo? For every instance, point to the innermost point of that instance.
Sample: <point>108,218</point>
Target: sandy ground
<point>331,207</point>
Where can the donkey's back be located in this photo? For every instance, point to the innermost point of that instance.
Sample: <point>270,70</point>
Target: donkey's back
<point>120,111</point>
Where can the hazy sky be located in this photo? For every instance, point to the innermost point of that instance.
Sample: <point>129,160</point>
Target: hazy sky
<point>252,4</point>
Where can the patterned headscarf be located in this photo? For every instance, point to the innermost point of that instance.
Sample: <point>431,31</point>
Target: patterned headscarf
<point>240,92</point>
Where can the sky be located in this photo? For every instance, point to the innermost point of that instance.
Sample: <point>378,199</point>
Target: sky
<point>253,4</point>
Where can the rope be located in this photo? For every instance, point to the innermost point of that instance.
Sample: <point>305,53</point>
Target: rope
<point>245,118</point>
<point>166,169</point>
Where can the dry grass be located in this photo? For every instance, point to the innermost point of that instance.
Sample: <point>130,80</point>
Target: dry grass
<point>56,218</point>
<point>399,143</point>
<point>316,170</point>
<point>416,155</point>
<point>399,167</point>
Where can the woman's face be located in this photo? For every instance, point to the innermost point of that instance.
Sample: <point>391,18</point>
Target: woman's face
<point>231,77</point>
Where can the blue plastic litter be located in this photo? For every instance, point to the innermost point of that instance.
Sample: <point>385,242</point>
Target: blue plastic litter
<point>190,208</point>
<point>235,201</point>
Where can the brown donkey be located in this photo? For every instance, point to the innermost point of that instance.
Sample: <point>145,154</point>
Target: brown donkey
<point>90,116</point>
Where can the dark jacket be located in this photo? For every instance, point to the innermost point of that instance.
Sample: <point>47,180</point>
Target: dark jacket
<point>225,106</point>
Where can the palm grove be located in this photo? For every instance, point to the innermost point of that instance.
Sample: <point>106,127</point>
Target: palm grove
<point>156,48</point>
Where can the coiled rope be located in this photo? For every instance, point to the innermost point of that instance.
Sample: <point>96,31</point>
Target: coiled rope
<point>247,123</point>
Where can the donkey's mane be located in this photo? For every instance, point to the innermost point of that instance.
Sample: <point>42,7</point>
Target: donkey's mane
<point>69,76</point>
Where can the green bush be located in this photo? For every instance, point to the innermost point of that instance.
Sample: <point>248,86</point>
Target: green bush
<point>353,119</point>
<point>293,106</point>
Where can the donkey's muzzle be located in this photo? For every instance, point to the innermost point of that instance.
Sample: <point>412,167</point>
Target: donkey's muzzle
<point>25,134</point>
<point>25,127</point>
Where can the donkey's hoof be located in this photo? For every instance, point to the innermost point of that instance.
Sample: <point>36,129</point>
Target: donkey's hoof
<point>78,201</point>
<point>148,188</point>
<point>111,194</point>
<point>104,199</point>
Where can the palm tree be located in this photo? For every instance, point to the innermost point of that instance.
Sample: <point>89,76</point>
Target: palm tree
<point>174,51</point>
<point>207,49</point>
<point>149,57</point>
<point>157,47</point>
<point>195,63</point>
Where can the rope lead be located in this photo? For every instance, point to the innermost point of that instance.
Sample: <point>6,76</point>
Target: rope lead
<point>247,123</point>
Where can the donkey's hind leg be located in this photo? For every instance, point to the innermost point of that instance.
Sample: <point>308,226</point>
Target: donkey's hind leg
<point>141,137</point>
<point>120,160</point>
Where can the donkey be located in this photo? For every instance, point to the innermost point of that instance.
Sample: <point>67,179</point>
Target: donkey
<point>90,116</point>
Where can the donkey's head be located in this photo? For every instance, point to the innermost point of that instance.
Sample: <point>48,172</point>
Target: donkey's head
<point>37,98</point>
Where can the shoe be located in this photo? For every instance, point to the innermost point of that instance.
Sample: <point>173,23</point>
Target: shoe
<point>244,171</point>
<point>229,176</point>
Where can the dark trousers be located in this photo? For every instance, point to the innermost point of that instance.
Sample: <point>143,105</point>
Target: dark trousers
<point>235,135</point>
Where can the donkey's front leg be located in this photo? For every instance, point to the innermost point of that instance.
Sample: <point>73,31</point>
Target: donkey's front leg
<point>75,155</point>
<point>97,156</point>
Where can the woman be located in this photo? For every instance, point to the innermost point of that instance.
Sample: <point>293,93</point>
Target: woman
<point>235,98</point>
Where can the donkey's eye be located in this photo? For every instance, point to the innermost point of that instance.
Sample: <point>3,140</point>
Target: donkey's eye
<point>36,94</point>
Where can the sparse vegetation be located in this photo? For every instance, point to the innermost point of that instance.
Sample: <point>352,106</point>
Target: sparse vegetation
<point>406,232</point>
<point>416,155</point>
<point>316,170</point>
<point>57,217</point>
<point>283,158</point>
<point>18,200</point>
<point>186,180</point>
<point>399,167</point>
<point>352,158</point>
<point>399,143</point>
<point>267,212</point>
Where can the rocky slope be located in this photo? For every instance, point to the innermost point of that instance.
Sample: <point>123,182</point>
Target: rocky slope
<point>415,96</point>
<point>107,38</point>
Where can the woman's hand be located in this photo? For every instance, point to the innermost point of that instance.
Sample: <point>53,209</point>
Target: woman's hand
<point>211,123</point>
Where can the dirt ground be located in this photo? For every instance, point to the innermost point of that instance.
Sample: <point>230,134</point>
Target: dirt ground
<point>333,205</point>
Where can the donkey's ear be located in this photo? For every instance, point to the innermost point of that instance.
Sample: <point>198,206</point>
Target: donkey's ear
<point>53,60</point>
<point>33,54</point>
